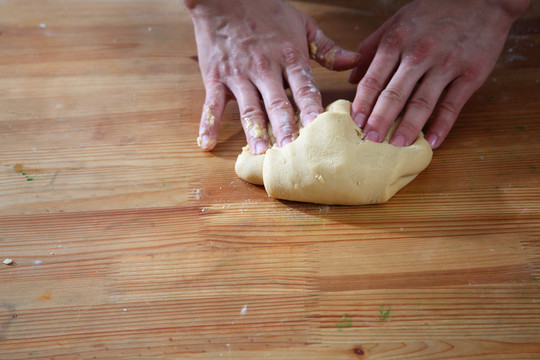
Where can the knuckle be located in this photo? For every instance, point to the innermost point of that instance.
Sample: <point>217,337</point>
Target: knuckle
<point>361,107</point>
<point>279,104</point>
<point>291,55</point>
<point>371,84</point>
<point>421,102</point>
<point>260,63</point>
<point>450,108</point>
<point>393,95</point>
<point>443,125</point>
<point>409,129</point>
<point>285,130</point>
<point>473,73</point>
<point>449,61</point>
<point>324,44</point>
<point>393,39</point>
<point>308,104</point>
<point>327,46</point>
<point>215,89</point>
<point>421,50</point>
<point>306,90</point>
<point>378,122</point>
<point>212,76</point>
<point>251,112</point>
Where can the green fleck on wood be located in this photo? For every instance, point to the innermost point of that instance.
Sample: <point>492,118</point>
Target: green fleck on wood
<point>20,170</point>
<point>384,313</point>
<point>346,322</point>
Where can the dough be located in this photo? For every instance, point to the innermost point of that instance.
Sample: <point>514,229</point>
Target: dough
<point>330,163</point>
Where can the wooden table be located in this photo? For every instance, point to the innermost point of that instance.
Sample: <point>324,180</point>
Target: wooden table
<point>129,242</point>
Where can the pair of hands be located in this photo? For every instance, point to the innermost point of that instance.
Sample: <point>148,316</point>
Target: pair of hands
<point>430,57</point>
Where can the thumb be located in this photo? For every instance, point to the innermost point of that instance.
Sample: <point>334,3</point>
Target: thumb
<point>325,51</point>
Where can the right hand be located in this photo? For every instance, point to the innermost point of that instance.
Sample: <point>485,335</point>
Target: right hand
<point>249,49</point>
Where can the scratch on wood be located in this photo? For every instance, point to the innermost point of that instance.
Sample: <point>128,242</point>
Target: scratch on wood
<point>54,177</point>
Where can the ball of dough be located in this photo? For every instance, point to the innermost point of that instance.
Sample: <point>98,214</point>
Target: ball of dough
<point>331,163</point>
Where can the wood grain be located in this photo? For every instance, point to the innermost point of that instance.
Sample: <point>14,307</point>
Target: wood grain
<point>128,242</point>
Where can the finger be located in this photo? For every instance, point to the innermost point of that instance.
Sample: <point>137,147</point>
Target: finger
<point>419,108</point>
<point>306,95</point>
<point>367,50</point>
<point>391,101</point>
<point>214,104</point>
<point>280,113</point>
<point>448,109</point>
<point>268,79</point>
<point>325,51</point>
<point>251,115</point>
<point>372,84</point>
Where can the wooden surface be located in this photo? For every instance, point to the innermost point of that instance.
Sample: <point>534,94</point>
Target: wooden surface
<point>128,242</point>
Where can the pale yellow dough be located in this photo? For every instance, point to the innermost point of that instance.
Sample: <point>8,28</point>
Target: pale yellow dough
<point>330,163</point>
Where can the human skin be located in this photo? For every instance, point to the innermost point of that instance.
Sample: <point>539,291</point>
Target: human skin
<point>430,57</point>
<point>425,61</point>
<point>252,49</point>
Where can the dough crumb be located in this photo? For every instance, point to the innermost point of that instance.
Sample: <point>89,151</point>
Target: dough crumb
<point>319,178</point>
<point>248,121</point>
<point>312,48</point>
<point>8,262</point>
<point>257,131</point>
<point>210,118</point>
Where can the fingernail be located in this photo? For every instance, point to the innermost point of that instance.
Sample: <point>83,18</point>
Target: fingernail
<point>398,141</point>
<point>260,148</point>
<point>360,119</point>
<point>354,55</point>
<point>206,142</point>
<point>432,139</point>
<point>286,141</point>
<point>306,119</point>
<point>372,136</point>
<point>202,140</point>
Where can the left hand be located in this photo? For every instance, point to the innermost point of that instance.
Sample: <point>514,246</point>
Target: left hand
<point>431,55</point>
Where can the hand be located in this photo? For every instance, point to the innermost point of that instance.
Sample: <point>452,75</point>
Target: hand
<point>252,47</point>
<point>429,55</point>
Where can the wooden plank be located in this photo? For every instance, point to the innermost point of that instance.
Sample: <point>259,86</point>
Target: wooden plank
<point>129,242</point>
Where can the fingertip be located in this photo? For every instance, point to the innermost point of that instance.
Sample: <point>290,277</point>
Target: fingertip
<point>206,142</point>
<point>287,135</point>
<point>360,119</point>
<point>398,141</point>
<point>260,147</point>
<point>308,118</point>
<point>344,59</point>
<point>286,140</point>
<point>372,136</point>
<point>433,140</point>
